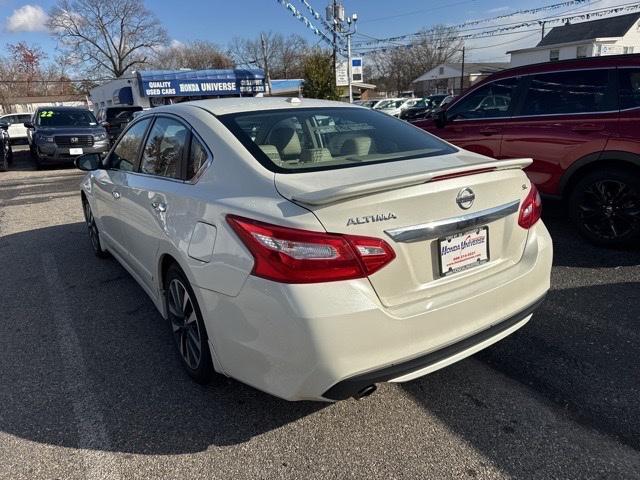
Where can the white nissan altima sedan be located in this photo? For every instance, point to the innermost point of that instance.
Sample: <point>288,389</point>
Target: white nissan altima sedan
<point>312,249</point>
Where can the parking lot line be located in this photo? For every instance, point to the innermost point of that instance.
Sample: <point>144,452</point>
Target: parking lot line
<point>93,439</point>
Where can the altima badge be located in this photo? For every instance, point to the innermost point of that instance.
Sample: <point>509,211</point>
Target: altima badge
<point>379,217</point>
<point>465,198</point>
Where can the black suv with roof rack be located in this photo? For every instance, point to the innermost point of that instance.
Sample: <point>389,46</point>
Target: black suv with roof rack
<point>60,134</point>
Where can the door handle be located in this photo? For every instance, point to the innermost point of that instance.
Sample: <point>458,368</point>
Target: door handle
<point>116,194</point>
<point>489,131</point>
<point>159,206</point>
<point>587,127</point>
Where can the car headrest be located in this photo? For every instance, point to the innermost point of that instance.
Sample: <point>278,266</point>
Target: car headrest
<point>272,152</point>
<point>286,141</point>
<point>358,146</point>
<point>314,155</point>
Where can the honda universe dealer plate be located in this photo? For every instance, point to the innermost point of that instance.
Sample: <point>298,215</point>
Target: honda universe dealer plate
<point>463,250</point>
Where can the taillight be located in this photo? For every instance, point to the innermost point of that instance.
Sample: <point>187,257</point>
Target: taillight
<point>289,255</point>
<point>530,209</point>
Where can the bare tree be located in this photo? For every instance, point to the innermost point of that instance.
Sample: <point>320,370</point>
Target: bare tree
<point>25,73</point>
<point>110,37</point>
<point>395,67</point>
<point>198,55</point>
<point>283,55</point>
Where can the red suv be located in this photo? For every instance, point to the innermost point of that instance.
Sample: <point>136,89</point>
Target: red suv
<point>580,122</point>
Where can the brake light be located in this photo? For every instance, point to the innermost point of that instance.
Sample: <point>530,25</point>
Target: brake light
<point>530,209</point>
<point>290,255</point>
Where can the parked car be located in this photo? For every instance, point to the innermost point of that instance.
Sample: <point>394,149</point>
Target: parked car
<point>114,119</point>
<point>444,104</point>
<point>396,106</point>
<point>6,153</point>
<point>17,130</point>
<point>60,134</point>
<point>422,108</point>
<point>578,120</point>
<point>313,249</point>
<point>368,103</point>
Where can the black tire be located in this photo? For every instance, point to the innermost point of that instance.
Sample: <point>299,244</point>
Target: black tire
<point>189,333</point>
<point>4,161</point>
<point>604,205</point>
<point>92,229</point>
<point>36,158</point>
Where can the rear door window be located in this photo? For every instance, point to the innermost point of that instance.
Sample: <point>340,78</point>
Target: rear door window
<point>583,91</point>
<point>629,87</point>
<point>490,101</point>
<point>198,156</point>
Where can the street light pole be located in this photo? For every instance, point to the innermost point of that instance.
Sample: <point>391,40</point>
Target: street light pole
<point>462,73</point>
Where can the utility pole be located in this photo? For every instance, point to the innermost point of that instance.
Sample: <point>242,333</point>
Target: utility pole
<point>335,38</point>
<point>265,59</point>
<point>462,73</point>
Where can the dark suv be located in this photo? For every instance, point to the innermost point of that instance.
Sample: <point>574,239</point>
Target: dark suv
<point>579,121</point>
<point>114,119</point>
<point>60,134</point>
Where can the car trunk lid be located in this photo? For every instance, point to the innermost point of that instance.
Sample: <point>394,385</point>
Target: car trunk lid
<point>412,205</point>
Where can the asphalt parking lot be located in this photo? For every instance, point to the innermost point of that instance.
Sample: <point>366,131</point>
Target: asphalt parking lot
<point>90,386</point>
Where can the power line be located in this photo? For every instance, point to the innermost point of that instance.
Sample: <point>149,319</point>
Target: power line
<point>424,10</point>
<point>524,23</point>
<point>497,30</point>
<point>70,80</point>
<point>408,45</point>
<point>504,43</point>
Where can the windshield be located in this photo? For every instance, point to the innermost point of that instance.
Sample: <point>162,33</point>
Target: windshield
<point>325,138</point>
<point>66,118</point>
<point>385,104</point>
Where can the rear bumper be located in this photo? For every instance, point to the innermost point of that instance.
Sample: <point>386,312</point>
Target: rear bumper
<point>326,342</point>
<point>351,386</point>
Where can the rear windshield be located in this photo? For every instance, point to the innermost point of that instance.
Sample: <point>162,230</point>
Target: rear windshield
<point>66,118</point>
<point>13,119</point>
<point>118,115</point>
<point>306,139</point>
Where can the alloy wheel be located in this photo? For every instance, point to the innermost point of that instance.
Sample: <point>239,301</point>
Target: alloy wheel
<point>92,228</point>
<point>610,209</point>
<point>184,323</point>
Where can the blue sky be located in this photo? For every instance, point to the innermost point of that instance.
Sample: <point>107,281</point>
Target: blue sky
<point>219,21</point>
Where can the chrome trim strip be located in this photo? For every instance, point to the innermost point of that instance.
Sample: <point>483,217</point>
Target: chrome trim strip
<point>449,226</point>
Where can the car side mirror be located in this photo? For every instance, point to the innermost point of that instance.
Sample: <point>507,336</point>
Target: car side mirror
<point>28,125</point>
<point>4,125</point>
<point>89,162</point>
<point>440,118</point>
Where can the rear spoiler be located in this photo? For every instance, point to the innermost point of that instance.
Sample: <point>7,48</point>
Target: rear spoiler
<point>336,194</point>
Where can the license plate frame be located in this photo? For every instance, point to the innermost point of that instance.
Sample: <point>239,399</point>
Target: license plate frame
<point>76,151</point>
<point>480,257</point>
